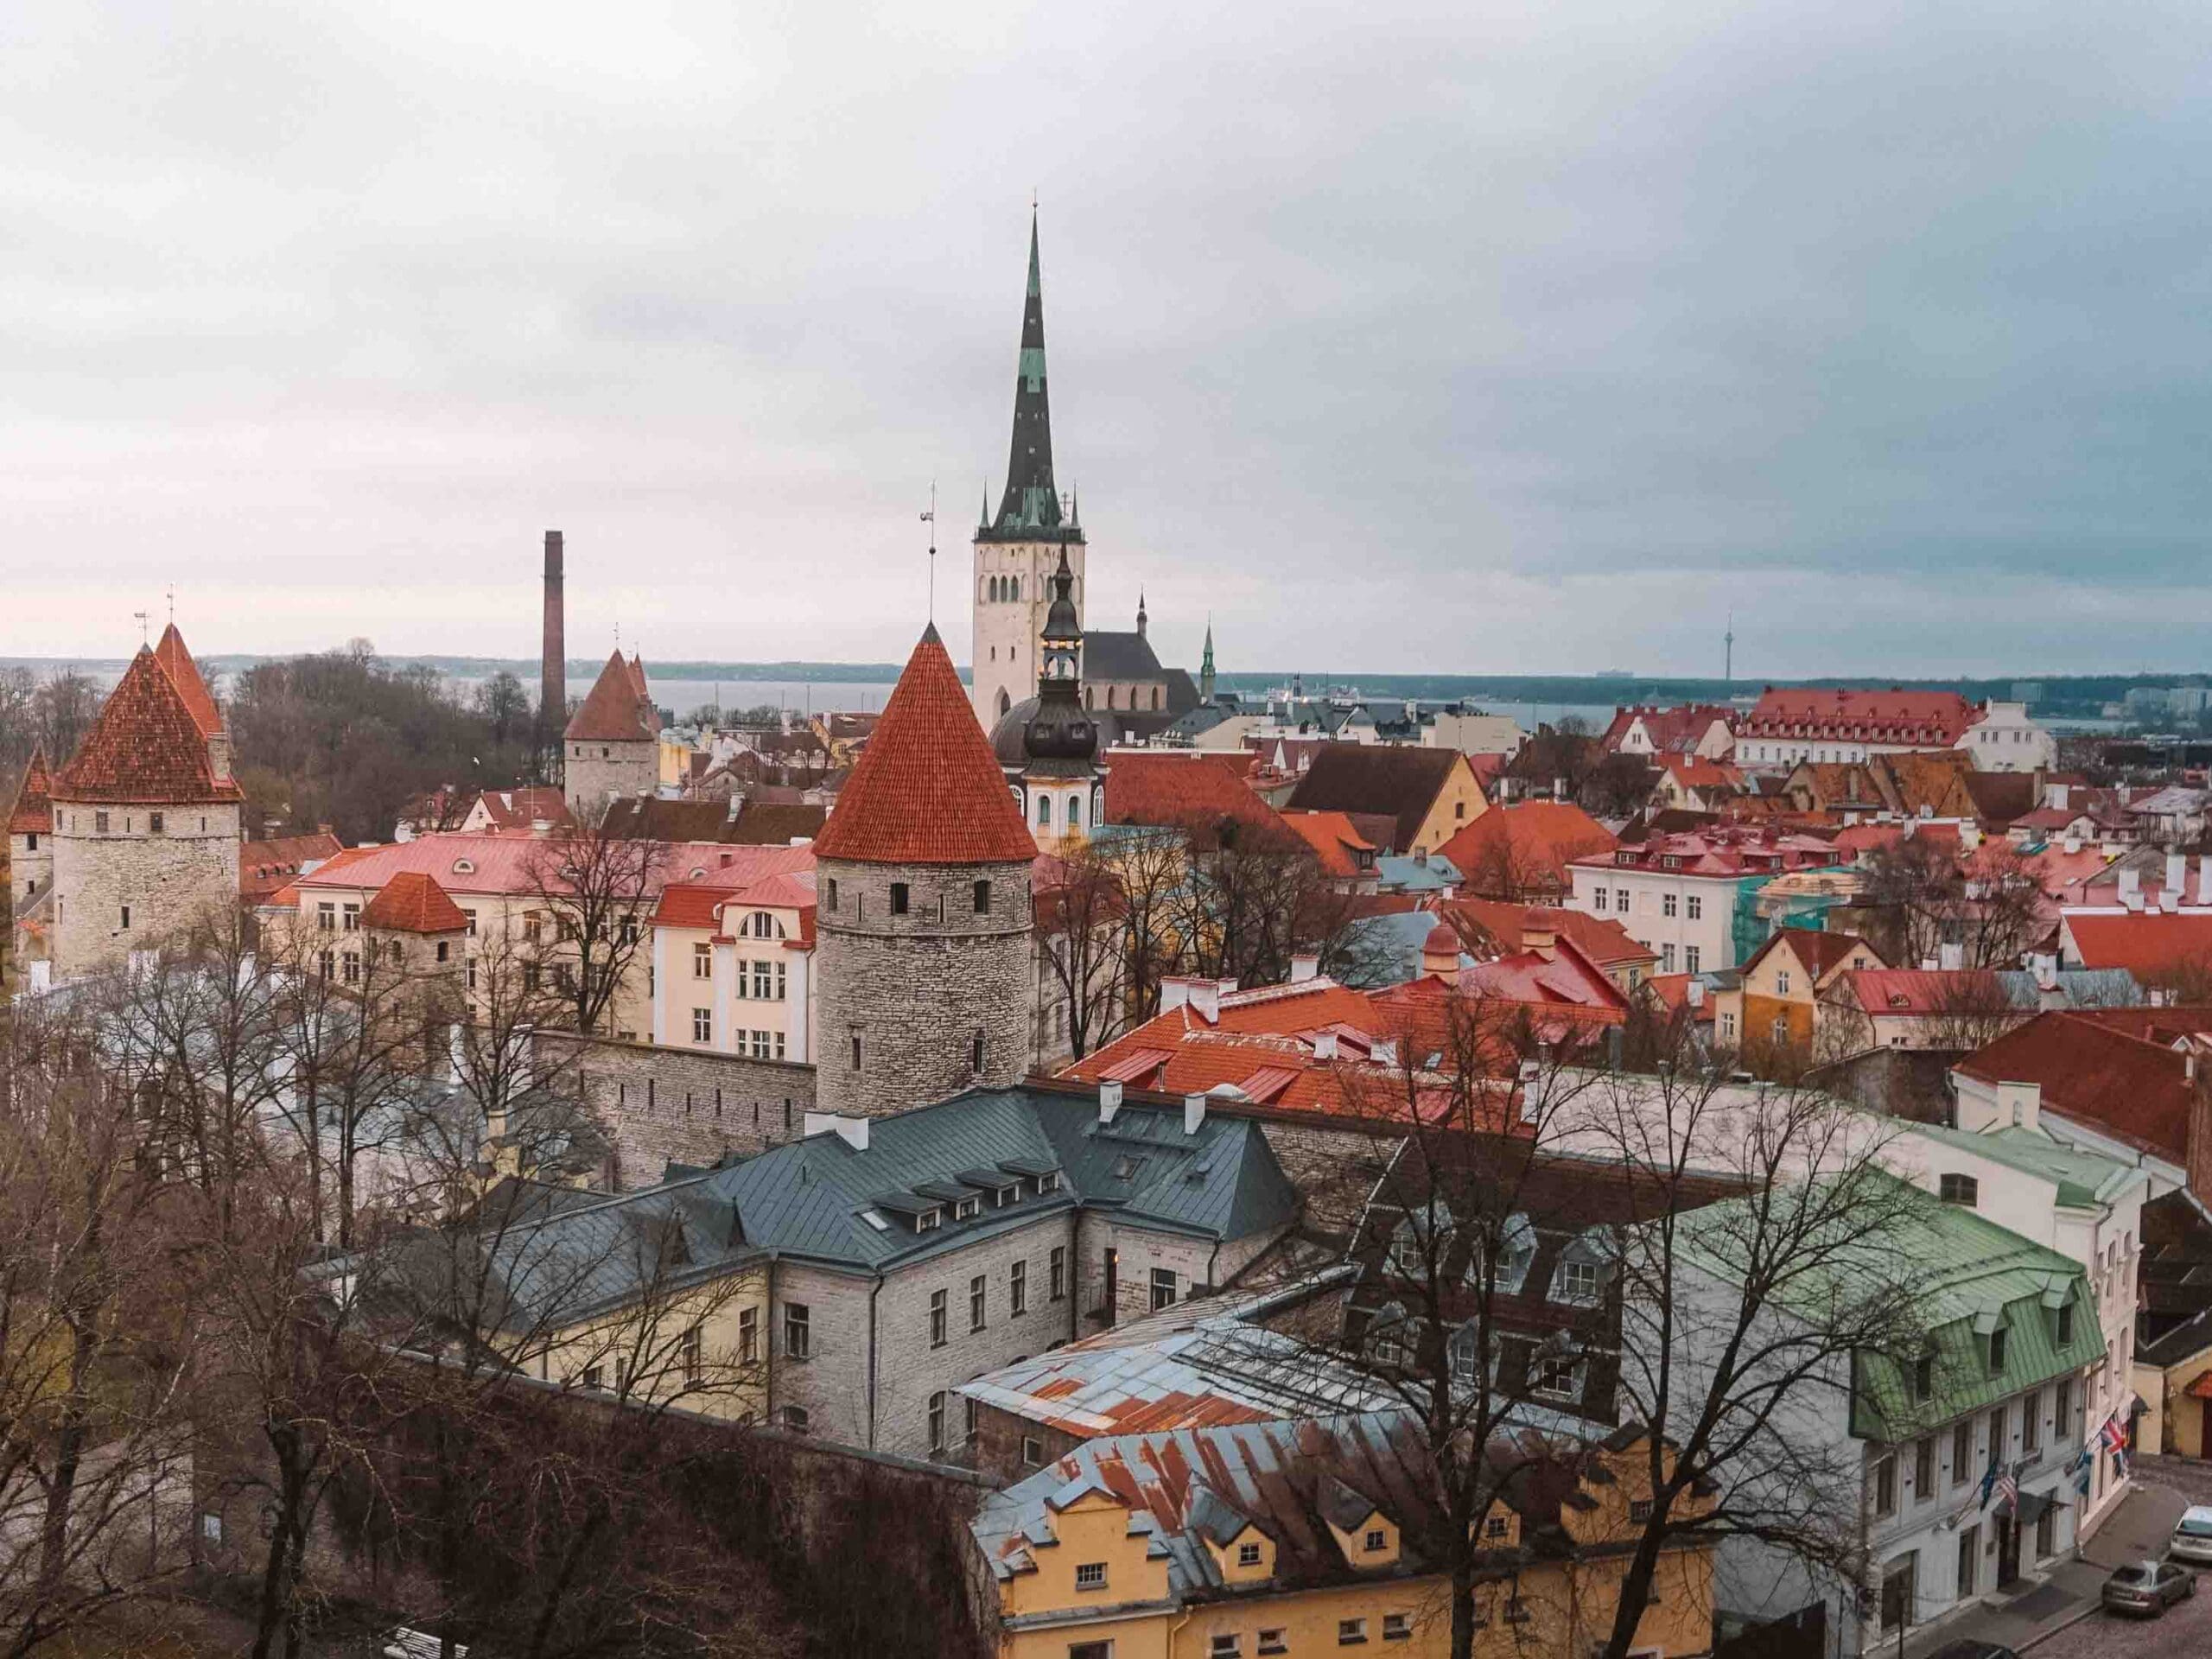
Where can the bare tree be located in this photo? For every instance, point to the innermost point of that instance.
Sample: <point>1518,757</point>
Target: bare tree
<point>101,1331</point>
<point>1990,911</point>
<point>593,891</point>
<point>1083,922</point>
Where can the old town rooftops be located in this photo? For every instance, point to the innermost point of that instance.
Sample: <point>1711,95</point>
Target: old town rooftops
<point>1720,851</point>
<point>520,865</point>
<point>926,790</point>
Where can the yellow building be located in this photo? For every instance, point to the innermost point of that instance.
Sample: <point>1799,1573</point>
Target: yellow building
<point>1771,1015</point>
<point>1302,1538</point>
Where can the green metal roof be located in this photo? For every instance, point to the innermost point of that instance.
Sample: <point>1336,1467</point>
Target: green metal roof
<point>2083,1178</point>
<point>1969,1276</point>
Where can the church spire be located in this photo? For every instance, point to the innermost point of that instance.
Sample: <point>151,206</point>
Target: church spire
<point>1205,667</point>
<point>1030,503</point>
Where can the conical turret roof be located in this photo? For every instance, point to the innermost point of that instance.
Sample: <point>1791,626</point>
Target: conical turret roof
<point>619,708</point>
<point>147,745</point>
<point>33,812</point>
<point>926,789</point>
<point>176,662</point>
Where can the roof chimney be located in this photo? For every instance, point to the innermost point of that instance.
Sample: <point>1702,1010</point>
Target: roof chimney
<point>1174,992</point>
<point>853,1131</point>
<point>1194,1113</point>
<point>1325,1044</point>
<point>1304,965</point>
<point>1205,1000</point>
<point>2176,873</point>
<point>1693,991</point>
<point>1540,933</point>
<point>1951,956</point>
<point>1110,1100</point>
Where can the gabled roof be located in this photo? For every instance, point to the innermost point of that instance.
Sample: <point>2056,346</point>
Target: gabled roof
<point>1336,843</point>
<point>1182,790</point>
<point>1494,927</point>
<point>618,708</point>
<point>1819,954</point>
<point>1892,716</point>
<point>517,809</point>
<point>2111,1069</point>
<point>147,745</point>
<point>176,662</point>
<point>412,902</point>
<point>1402,781</point>
<point>266,866</point>
<point>2148,943</point>
<point>1119,657</point>
<point>33,812</point>
<point>1510,848</point>
<point>926,789</point>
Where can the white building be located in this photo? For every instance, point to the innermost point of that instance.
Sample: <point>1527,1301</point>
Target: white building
<point>1679,895</point>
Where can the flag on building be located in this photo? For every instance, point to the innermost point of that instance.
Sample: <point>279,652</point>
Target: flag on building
<point>2008,1492</point>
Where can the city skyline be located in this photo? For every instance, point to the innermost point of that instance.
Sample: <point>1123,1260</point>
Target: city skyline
<point>1544,355</point>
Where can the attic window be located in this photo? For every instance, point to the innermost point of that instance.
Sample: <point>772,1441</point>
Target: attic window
<point>463,867</point>
<point>1126,1167</point>
<point>1248,1554</point>
<point>1375,1539</point>
<point>964,1208</point>
<point>929,1221</point>
<point>874,1218</point>
<point>2065,1323</point>
<point>1049,1181</point>
<point>1959,1189</point>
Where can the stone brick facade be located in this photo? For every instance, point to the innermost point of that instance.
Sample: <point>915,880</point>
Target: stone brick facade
<point>908,993</point>
<point>167,878</point>
<point>674,1105</point>
<point>593,773</point>
<point>30,862</point>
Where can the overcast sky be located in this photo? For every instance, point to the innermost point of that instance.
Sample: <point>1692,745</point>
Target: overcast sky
<point>1504,337</point>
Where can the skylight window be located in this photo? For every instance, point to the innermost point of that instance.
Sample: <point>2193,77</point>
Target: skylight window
<point>874,1218</point>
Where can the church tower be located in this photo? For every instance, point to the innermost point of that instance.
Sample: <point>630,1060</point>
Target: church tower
<point>1055,773</point>
<point>1018,551</point>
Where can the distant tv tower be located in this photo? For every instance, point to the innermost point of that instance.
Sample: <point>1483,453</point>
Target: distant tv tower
<point>1728,661</point>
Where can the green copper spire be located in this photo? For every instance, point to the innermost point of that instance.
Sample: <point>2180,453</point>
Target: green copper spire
<point>1030,503</point>
<point>1205,667</point>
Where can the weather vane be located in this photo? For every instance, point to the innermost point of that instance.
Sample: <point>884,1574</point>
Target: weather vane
<point>141,615</point>
<point>930,518</point>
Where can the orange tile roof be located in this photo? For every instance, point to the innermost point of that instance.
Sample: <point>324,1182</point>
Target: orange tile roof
<point>1893,716</point>
<point>2115,1067</point>
<point>412,902</point>
<point>1335,841</point>
<point>177,663</point>
<point>146,747</point>
<point>927,789</point>
<point>618,708</point>
<point>1531,843</point>
<point>517,809</point>
<point>266,866</point>
<point>33,812</point>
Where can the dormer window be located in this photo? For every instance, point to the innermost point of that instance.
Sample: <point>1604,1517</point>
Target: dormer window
<point>1049,1181</point>
<point>1959,1189</point>
<point>1377,1539</point>
<point>929,1221</point>
<point>2065,1323</point>
<point>962,1209</point>
<point>1997,1351</point>
<point>1248,1554</point>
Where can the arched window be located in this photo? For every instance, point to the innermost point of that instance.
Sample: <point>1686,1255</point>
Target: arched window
<point>1156,695</point>
<point>1113,696</point>
<point>1090,697</point>
<point>1075,811</point>
<point>1044,811</point>
<point>1016,594</point>
<point>1004,701</point>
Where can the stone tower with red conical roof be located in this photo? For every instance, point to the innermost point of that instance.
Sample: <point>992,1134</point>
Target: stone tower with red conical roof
<point>145,817</point>
<point>922,909</point>
<point>611,750</point>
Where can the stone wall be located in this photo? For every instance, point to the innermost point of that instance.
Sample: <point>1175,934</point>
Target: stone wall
<point>170,879</point>
<point>593,773</point>
<point>914,989</point>
<point>680,1105</point>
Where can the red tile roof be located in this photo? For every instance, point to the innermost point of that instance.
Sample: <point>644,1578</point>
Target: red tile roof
<point>266,866</point>
<point>2150,944</point>
<point>1495,926</point>
<point>1511,849</point>
<point>33,813</point>
<point>1181,789</point>
<point>1930,717</point>
<point>145,747</point>
<point>618,708</point>
<point>1817,953</point>
<point>510,864</point>
<point>1927,991</point>
<point>927,789</point>
<point>2111,1068</point>
<point>177,663</point>
<point>412,902</point>
<point>1672,731</point>
<point>517,809</point>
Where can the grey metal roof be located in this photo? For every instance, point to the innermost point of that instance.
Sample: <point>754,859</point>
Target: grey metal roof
<point>1121,658</point>
<point>810,1199</point>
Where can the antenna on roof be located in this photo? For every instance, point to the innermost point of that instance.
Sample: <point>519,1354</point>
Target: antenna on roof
<point>172,604</point>
<point>930,518</point>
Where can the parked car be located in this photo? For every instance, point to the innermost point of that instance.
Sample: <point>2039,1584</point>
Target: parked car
<point>1967,1648</point>
<point>2192,1540</point>
<point>2148,1586</point>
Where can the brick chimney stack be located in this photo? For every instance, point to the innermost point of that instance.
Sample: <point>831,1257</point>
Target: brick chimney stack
<point>553,672</point>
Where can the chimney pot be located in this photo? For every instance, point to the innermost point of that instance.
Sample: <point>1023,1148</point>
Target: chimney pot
<point>1305,966</point>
